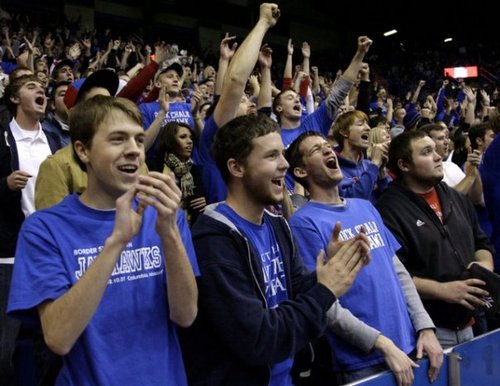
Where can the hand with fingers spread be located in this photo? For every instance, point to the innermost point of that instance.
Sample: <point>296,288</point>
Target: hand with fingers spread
<point>464,292</point>
<point>290,47</point>
<point>226,50</point>
<point>164,100</point>
<point>265,56</point>
<point>198,204</point>
<point>161,52</point>
<point>196,99</point>
<point>341,268</point>
<point>335,243</point>
<point>306,50</point>
<point>74,51</point>
<point>474,158</point>
<point>380,153</point>
<point>160,191</point>
<point>128,219</point>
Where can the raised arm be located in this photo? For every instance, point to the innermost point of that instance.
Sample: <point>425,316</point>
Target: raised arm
<point>288,71</point>
<point>226,52</point>
<point>345,82</point>
<point>306,55</point>
<point>352,71</point>
<point>242,64</point>
<point>155,126</point>
<point>363,102</point>
<point>416,94</point>
<point>265,61</point>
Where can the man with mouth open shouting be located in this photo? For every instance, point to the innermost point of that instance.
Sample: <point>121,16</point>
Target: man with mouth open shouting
<point>111,287</point>
<point>23,147</point>
<point>288,110</point>
<point>258,304</point>
<point>363,178</point>
<point>380,321</point>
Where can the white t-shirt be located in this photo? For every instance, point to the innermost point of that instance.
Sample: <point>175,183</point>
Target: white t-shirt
<point>453,175</point>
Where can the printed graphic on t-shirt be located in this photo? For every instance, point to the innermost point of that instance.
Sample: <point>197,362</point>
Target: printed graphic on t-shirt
<point>372,231</point>
<point>177,116</point>
<point>133,264</point>
<point>274,276</point>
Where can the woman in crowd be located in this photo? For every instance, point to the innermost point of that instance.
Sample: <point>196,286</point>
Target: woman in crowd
<point>173,154</point>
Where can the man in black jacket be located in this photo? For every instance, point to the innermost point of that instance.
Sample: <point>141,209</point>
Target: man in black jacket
<point>439,234</point>
<point>23,147</point>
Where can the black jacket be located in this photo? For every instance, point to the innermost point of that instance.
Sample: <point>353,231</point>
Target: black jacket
<point>433,250</point>
<point>11,214</point>
<point>236,337</point>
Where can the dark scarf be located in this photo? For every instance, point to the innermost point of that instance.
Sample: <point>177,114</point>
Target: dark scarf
<point>182,172</point>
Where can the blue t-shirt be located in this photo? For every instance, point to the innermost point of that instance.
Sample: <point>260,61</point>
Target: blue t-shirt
<point>214,185</point>
<point>360,179</point>
<point>130,339</point>
<point>177,112</point>
<point>376,297</point>
<point>490,176</point>
<point>263,240</point>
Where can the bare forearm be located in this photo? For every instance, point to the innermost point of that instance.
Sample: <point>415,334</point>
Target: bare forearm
<point>287,72</point>
<point>64,319</point>
<point>427,288</point>
<point>484,257</point>
<point>182,290</point>
<point>265,95</point>
<point>465,186</point>
<point>351,73</point>
<point>221,72</point>
<point>153,130</point>
<point>306,66</point>
<point>246,56</point>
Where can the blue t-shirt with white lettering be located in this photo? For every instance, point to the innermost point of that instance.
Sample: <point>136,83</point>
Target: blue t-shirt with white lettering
<point>177,112</point>
<point>376,297</point>
<point>130,339</point>
<point>263,239</point>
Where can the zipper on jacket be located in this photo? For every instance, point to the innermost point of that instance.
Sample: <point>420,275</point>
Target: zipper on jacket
<point>249,255</point>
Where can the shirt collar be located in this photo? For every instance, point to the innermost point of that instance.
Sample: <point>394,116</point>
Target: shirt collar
<point>18,132</point>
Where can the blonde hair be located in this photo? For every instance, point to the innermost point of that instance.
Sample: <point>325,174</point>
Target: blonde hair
<point>207,70</point>
<point>378,134</point>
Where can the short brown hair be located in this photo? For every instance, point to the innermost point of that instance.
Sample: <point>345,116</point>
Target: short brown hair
<point>400,149</point>
<point>295,158</point>
<point>234,139</point>
<point>86,117</point>
<point>277,101</point>
<point>12,90</point>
